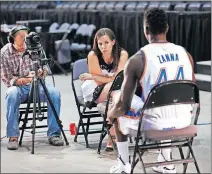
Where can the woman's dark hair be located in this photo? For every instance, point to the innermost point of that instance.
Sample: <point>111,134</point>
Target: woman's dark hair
<point>116,50</point>
<point>156,20</point>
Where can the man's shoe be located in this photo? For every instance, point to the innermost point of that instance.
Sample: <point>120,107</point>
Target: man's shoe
<point>120,167</point>
<point>162,169</point>
<point>56,141</point>
<point>12,144</point>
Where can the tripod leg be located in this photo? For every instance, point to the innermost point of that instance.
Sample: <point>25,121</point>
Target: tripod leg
<point>54,111</point>
<point>38,100</point>
<point>26,114</point>
<point>35,93</point>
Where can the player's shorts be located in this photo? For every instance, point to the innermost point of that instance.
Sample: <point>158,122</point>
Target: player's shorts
<point>158,118</point>
<point>131,119</point>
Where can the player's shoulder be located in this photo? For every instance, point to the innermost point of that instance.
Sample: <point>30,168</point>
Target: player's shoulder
<point>179,47</point>
<point>138,58</point>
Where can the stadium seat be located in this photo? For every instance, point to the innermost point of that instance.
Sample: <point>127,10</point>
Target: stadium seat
<point>195,6</point>
<point>141,6</point>
<point>119,6</point>
<point>82,5</point>
<point>92,6</point>
<point>101,6</point>
<point>131,6</point>
<point>180,7</point>
<point>165,6</point>
<point>110,6</point>
<point>206,6</point>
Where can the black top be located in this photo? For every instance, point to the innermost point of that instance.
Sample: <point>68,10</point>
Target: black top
<point>103,64</point>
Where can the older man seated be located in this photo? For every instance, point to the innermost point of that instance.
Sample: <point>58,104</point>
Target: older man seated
<point>17,74</point>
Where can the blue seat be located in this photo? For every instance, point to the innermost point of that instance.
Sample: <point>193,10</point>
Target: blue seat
<point>64,27</point>
<point>53,27</point>
<point>88,119</point>
<point>63,53</point>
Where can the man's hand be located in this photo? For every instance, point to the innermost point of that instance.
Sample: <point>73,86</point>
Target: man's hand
<point>86,76</point>
<point>31,74</point>
<point>42,73</point>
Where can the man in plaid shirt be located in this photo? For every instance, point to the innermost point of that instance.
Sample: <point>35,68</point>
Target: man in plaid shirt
<point>17,74</point>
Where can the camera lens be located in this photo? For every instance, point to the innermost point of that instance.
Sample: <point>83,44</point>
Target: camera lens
<point>33,41</point>
<point>36,39</point>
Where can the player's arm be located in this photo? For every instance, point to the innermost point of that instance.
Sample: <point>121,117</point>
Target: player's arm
<point>132,73</point>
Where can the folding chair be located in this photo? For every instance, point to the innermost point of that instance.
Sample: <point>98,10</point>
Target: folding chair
<point>79,45</point>
<point>103,109</point>
<point>53,27</point>
<point>79,67</point>
<point>27,118</point>
<point>62,47</point>
<point>168,93</point>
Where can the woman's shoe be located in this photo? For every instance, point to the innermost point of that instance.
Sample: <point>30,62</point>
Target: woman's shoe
<point>109,149</point>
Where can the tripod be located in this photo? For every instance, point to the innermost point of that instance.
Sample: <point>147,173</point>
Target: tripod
<point>35,97</point>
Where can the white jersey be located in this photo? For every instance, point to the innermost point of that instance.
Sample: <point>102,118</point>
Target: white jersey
<point>165,62</point>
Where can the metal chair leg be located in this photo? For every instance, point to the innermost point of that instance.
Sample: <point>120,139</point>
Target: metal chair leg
<point>195,161</point>
<point>103,134</point>
<point>78,128</point>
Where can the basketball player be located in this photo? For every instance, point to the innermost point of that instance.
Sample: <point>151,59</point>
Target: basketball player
<point>157,62</point>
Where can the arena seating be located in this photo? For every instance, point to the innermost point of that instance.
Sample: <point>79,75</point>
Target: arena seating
<point>109,6</point>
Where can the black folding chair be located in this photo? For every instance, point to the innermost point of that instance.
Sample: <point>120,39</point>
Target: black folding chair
<point>79,67</point>
<point>29,117</point>
<point>103,109</point>
<point>168,93</point>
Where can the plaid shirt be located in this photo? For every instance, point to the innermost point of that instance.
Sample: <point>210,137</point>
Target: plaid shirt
<point>13,66</point>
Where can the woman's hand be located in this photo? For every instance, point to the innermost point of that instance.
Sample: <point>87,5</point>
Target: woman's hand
<point>86,76</point>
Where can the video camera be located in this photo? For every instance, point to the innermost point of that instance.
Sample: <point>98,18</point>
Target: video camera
<point>34,48</point>
<point>32,42</point>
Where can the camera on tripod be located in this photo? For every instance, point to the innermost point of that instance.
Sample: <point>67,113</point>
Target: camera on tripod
<point>34,48</point>
<point>32,42</point>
